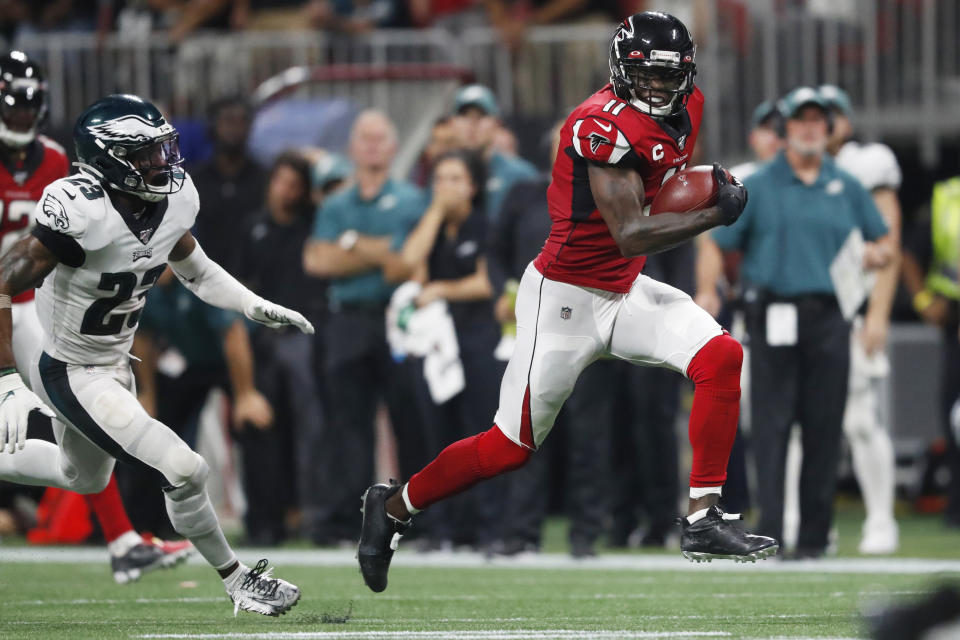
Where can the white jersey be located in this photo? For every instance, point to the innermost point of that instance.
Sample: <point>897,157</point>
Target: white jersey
<point>874,165</point>
<point>90,304</point>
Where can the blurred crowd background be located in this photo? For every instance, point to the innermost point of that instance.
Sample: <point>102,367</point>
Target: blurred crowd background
<point>343,147</point>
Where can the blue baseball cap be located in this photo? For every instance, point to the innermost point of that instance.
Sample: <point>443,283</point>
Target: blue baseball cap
<point>836,98</point>
<point>765,113</point>
<point>791,104</point>
<point>476,95</point>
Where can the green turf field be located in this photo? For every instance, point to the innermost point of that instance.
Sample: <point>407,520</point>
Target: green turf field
<point>462,597</point>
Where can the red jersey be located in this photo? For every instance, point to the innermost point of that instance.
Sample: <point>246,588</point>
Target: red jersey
<point>606,130</point>
<point>20,188</point>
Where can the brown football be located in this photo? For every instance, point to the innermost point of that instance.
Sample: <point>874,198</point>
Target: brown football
<point>687,190</point>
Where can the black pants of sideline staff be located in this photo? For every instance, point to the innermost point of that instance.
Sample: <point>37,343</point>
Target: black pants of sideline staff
<point>806,384</point>
<point>360,373</point>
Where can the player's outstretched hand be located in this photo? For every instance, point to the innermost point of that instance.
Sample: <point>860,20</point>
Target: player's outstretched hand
<point>16,403</point>
<point>275,316</point>
<point>731,195</point>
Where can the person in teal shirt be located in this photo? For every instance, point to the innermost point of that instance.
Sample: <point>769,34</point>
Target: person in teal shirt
<point>801,210</point>
<point>476,120</point>
<point>357,235</point>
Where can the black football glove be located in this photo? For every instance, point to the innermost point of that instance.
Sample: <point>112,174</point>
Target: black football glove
<point>731,195</point>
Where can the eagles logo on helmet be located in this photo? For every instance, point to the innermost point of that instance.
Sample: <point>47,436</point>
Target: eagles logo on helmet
<point>652,63</point>
<point>125,143</point>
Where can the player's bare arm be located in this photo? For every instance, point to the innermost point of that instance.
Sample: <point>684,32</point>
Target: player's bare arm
<point>619,194</point>
<point>23,267</point>
<point>211,283</point>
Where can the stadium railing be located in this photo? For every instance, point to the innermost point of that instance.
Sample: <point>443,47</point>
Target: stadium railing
<point>898,60</point>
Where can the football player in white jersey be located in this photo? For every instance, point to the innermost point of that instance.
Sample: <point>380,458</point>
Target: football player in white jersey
<point>101,240</point>
<point>872,450</point>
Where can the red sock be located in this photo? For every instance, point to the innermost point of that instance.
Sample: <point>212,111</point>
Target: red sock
<point>716,407</point>
<point>463,464</point>
<point>109,511</point>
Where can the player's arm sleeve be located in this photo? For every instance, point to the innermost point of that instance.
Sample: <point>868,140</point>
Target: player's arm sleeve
<point>599,140</point>
<point>868,216</point>
<point>59,227</point>
<point>211,283</point>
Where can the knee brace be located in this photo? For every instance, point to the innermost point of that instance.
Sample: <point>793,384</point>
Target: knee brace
<point>188,506</point>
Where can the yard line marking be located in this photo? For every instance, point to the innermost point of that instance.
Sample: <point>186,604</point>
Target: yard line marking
<point>109,601</point>
<point>544,561</point>
<point>489,597</point>
<point>440,635</point>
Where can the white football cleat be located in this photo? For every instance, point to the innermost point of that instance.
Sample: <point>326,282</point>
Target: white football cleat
<point>259,593</point>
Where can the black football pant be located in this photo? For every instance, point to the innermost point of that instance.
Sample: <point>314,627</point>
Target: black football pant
<point>805,384</point>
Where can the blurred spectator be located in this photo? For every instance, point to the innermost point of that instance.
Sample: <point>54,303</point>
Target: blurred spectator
<point>447,252</point>
<point>357,235</point>
<point>930,266</point>
<point>443,138</point>
<point>186,348</point>
<point>188,16</point>
<point>802,209</point>
<point>513,18</point>
<point>764,138</point>
<point>352,16</point>
<point>272,266</point>
<point>877,169</point>
<point>231,185</point>
<point>477,124</point>
<point>453,15</point>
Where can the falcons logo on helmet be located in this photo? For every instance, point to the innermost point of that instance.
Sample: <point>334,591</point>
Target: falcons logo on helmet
<point>596,140</point>
<point>129,128</point>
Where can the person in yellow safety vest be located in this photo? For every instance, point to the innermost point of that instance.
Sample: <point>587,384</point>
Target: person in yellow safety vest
<point>930,268</point>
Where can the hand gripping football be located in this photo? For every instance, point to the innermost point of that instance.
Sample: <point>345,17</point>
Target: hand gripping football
<point>688,190</point>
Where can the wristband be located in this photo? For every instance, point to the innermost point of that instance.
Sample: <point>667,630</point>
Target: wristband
<point>7,371</point>
<point>5,301</point>
<point>923,300</point>
<point>348,239</point>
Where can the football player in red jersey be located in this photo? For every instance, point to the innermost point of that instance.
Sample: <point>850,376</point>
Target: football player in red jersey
<point>583,298</point>
<point>28,163</point>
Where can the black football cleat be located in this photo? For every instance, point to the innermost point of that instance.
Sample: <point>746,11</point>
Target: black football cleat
<point>716,536</point>
<point>379,535</point>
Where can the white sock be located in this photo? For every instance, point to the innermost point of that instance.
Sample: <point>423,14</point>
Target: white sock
<point>699,492</point>
<point>406,500</point>
<point>124,543</point>
<point>232,581</point>
<point>696,515</point>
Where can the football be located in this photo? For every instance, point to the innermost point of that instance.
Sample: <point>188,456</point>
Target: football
<point>687,190</point>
